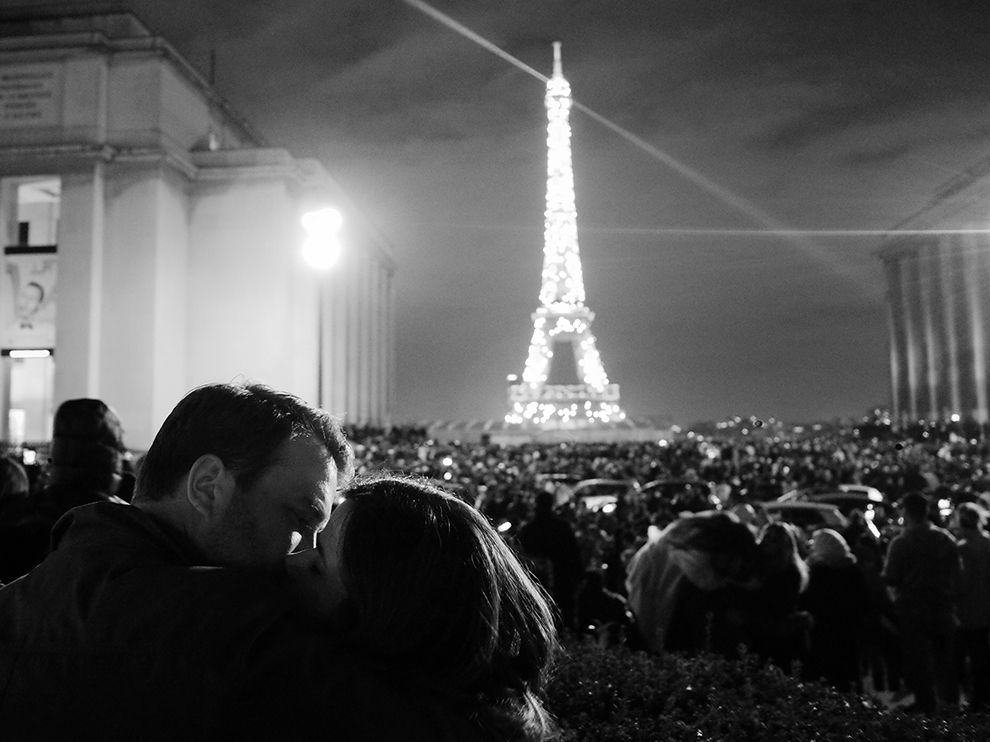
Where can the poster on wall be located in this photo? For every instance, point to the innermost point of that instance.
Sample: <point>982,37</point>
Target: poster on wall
<point>28,298</point>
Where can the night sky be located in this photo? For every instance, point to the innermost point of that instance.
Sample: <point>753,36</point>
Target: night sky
<point>813,116</point>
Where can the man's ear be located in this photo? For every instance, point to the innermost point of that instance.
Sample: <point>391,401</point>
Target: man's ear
<point>209,485</point>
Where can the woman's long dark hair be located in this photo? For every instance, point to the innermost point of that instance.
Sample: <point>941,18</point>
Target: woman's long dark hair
<point>432,586</point>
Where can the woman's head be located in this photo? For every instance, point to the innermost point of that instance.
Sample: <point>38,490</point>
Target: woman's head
<point>828,547</point>
<point>423,580</point>
<point>779,550</point>
<point>778,543</point>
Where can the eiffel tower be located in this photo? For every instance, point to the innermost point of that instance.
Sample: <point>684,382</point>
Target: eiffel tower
<point>562,322</point>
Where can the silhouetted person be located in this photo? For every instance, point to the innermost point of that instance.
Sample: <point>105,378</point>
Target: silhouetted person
<point>23,535</point>
<point>549,541</point>
<point>974,603</point>
<point>777,629</point>
<point>838,600</point>
<point>87,458</point>
<point>923,570</point>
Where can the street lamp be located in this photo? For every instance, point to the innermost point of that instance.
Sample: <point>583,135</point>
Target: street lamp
<point>321,250</point>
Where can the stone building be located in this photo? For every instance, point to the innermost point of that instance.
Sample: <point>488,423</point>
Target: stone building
<point>174,232</point>
<point>937,268</point>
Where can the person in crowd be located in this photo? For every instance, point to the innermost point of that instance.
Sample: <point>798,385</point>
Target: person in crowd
<point>123,626</point>
<point>444,635</point>
<point>923,570</point>
<point>551,546</point>
<point>602,613</point>
<point>857,527</point>
<point>881,641</point>
<point>974,604</point>
<point>87,465</point>
<point>23,534</point>
<point>838,600</point>
<point>87,458</point>
<point>681,585</point>
<point>777,629</point>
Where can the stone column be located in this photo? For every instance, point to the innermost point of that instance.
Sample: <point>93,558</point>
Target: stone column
<point>79,319</point>
<point>977,292</point>
<point>914,341</point>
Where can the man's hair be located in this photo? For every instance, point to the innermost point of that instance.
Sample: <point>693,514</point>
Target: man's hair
<point>915,506</point>
<point>243,425</point>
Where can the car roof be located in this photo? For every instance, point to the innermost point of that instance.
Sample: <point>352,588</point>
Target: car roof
<point>851,493</point>
<point>629,484</point>
<point>797,505</point>
<point>685,483</point>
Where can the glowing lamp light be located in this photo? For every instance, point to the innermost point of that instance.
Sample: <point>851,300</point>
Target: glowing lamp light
<point>30,353</point>
<point>321,249</point>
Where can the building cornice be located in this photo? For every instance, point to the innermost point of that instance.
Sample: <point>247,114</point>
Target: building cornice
<point>101,43</point>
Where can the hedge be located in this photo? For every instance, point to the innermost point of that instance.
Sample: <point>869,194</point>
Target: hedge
<point>615,695</point>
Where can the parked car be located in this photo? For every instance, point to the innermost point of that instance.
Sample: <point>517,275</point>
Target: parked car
<point>808,516</point>
<point>562,486</point>
<point>847,498</point>
<point>604,494</point>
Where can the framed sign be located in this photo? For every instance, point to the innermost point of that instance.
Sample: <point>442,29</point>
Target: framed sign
<point>30,95</point>
<point>29,297</point>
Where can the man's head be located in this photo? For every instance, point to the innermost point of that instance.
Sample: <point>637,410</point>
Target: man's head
<point>247,472</point>
<point>915,508</point>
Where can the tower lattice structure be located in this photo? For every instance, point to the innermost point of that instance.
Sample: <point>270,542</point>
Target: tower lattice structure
<point>562,321</point>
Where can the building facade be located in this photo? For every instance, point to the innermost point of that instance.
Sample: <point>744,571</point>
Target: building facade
<point>152,241</point>
<point>937,269</point>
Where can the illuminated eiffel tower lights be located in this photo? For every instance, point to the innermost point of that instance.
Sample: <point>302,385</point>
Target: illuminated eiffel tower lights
<point>562,318</point>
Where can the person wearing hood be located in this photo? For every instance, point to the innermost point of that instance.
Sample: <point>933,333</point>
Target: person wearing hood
<point>686,579</point>
<point>837,599</point>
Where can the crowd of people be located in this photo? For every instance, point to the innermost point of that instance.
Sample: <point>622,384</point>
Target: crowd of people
<point>858,611</point>
<point>147,559</point>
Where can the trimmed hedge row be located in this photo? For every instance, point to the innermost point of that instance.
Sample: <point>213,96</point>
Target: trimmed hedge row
<point>615,695</point>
